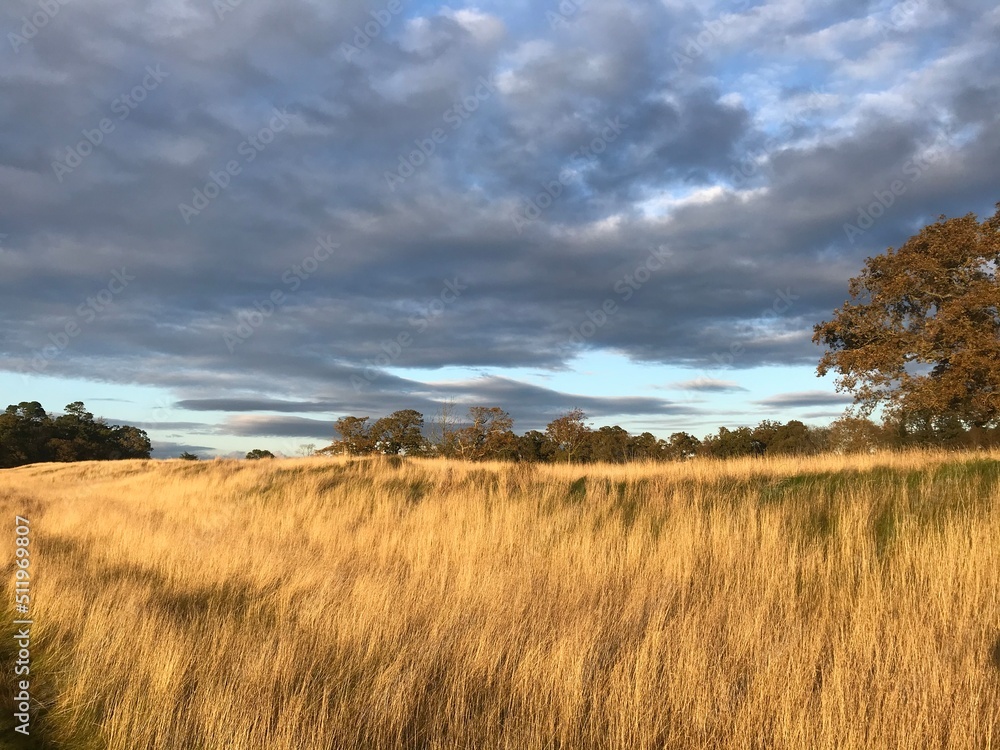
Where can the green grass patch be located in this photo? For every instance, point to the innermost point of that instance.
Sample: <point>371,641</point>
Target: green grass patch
<point>885,524</point>
<point>577,491</point>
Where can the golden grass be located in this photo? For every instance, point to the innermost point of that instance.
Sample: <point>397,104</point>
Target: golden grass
<point>826,602</point>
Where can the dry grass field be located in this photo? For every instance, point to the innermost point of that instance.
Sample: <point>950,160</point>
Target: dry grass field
<point>834,602</point>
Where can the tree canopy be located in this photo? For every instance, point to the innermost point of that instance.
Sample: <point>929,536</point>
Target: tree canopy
<point>920,335</point>
<point>400,432</point>
<point>28,434</point>
<point>487,435</point>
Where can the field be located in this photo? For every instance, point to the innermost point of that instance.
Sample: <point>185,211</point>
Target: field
<point>341,604</point>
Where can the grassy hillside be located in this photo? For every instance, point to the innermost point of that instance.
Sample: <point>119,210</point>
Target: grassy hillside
<point>325,603</point>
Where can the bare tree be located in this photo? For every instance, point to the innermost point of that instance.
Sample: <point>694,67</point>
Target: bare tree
<point>443,428</point>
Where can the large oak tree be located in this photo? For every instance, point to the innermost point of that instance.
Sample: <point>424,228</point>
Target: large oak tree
<point>920,335</point>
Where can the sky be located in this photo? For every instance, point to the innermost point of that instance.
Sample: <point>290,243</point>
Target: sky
<point>231,222</point>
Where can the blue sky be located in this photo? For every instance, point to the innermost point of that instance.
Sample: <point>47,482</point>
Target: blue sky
<point>232,224</point>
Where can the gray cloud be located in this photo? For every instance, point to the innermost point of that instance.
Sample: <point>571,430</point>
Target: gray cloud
<point>190,427</point>
<point>242,405</point>
<point>265,426</point>
<point>167,449</point>
<point>531,406</point>
<point>709,385</point>
<point>804,398</point>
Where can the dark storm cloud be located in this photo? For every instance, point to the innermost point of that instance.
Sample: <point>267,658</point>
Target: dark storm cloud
<point>285,145</point>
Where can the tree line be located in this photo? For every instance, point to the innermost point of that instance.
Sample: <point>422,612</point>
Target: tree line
<point>28,434</point>
<point>487,434</point>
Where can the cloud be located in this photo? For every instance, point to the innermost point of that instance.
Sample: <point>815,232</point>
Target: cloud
<point>531,406</point>
<point>522,398</point>
<point>233,404</point>
<point>804,398</point>
<point>825,415</point>
<point>709,385</point>
<point>189,427</point>
<point>165,449</point>
<point>263,426</point>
